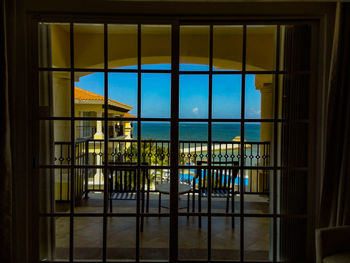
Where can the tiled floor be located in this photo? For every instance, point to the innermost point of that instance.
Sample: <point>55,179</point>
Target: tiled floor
<point>154,244</point>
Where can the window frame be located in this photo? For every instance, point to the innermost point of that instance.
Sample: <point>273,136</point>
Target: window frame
<point>174,107</point>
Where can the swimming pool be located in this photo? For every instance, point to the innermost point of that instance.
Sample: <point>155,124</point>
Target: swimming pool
<point>187,178</point>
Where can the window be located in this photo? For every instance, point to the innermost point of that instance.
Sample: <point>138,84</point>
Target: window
<point>191,154</point>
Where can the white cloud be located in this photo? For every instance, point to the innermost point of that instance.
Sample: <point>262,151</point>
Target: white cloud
<point>256,112</point>
<point>195,110</point>
<point>253,113</point>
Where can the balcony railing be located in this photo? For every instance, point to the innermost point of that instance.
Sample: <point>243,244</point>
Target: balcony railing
<point>85,131</point>
<point>88,132</point>
<point>156,153</point>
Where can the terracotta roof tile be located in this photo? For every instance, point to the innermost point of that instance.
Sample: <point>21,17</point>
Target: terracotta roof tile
<point>82,94</point>
<point>128,115</point>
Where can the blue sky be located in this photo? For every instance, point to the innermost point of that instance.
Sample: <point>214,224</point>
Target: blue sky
<point>155,93</point>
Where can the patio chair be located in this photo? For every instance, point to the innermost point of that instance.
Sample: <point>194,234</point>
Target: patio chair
<point>123,186</point>
<point>223,175</point>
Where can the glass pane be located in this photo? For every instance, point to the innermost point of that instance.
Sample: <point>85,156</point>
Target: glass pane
<point>261,47</point>
<point>122,196</point>
<point>90,181</point>
<point>89,95</point>
<point>194,92</point>
<point>54,45</point>
<point>155,151</point>
<point>119,130</point>
<point>259,97</point>
<point>154,241</point>
<point>193,240</point>
<point>62,188</point>
<point>194,48</point>
<point>225,240</point>
<point>54,238</point>
<point>155,95</point>
<point>160,184</point>
<point>122,46</point>
<point>257,238</point>
<point>258,185</point>
<point>86,247</point>
<point>88,46</point>
<point>54,190</point>
<point>54,94</point>
<point>122,91</point>
<point>226,132</point>
<point>226,142</point>
<point>89,143</point>
<point>259,138</point>
<point>122,151</point>
<point>227,96</point>
<point>55,142</point>
<point>121,238</point>
<point>155,144</point>
<point>188,181</point>
<point>227,47</point>
<point>155,131</point>
<point>156,46</point>
<point>193,139</point>
<point>225,186</point>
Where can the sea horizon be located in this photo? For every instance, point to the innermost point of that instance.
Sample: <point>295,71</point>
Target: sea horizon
<point>193,131</point>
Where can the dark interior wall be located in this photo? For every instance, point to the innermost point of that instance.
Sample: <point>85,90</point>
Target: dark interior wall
<point>22,125</point>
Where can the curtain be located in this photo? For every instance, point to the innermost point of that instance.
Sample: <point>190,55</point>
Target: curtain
<point>293,177</point>
<point>46,148</point>
<point>6,201</point>
<point>335,189</point>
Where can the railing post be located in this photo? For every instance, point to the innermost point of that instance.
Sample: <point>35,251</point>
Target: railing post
<point>86,169</point>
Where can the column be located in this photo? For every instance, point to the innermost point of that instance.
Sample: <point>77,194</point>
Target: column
<point>62,132</point>
<point>99,158</point>
<point>99,124</point>
<point>265,85</point>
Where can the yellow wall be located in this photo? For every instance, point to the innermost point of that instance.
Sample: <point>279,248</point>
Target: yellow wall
<point>122,47</point>
<point>123,52</point>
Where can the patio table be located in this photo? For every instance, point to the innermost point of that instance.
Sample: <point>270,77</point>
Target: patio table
<point>165,189</point>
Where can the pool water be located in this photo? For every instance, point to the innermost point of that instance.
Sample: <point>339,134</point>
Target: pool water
<point>186,178</point>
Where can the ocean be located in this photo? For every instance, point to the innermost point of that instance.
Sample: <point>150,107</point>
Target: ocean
<point>198,131</point>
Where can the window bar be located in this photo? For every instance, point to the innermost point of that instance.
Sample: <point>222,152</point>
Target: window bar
<point>72,196</point>
<point>242,145</point>
<point>174,147</point>
<point>106,137</point>
<point>209,137</point>
<point>61,154</point>
<point>138,142</point>
<point>187,72</point>
<point>156,154</point>
<point>275,148</point>
<point>86,169</point>
<point>201,144</point>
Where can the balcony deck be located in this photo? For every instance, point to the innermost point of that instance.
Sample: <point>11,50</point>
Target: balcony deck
<point>154,240</point>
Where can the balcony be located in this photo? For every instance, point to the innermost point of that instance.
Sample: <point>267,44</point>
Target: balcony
<point>89,189</point>
<point>90,152</point>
